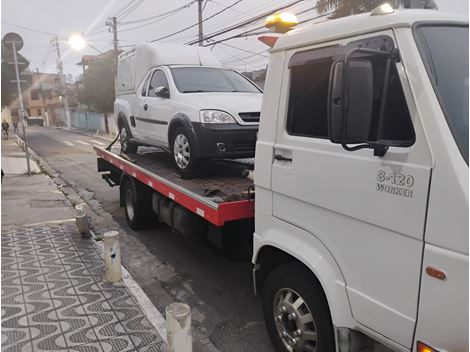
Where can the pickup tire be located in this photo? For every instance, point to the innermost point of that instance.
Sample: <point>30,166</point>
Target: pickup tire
<point>296,312</point>
<point>182,150</point>
<point>127,147</point>
<point>137,204</point>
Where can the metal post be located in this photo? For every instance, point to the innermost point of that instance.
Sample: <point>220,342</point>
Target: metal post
<point>22,111</point>
<point>115,45</point>
<point>43,98</point>
<point>179,335</point>
<point>63,85</point>
<point>81,220</point>
<point>112,256</point>
<point>199,11</point>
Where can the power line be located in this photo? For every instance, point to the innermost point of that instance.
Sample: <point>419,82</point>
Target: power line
<point>124,8</point>
<point>244,50</point>
<point>132,9</point>
<point>244,23</point>
<point>160,15</point>
<point>196,24</point>
<point>31,29</point>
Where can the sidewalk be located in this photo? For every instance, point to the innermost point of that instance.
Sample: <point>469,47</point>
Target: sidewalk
<point>53,295</point>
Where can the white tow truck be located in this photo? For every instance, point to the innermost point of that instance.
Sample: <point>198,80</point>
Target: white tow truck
<point>361,180</point>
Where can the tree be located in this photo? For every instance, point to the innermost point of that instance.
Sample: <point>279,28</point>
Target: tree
<point>98,87</point>
<point>342,8</point>
<point>9,87</point>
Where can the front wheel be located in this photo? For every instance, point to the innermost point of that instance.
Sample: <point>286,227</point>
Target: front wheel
<point>296,312</point>
<point>182,149</point>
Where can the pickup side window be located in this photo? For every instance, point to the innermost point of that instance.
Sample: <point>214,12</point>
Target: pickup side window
<point>307,113</point>
<point>158,80</point>
<point>144,87</point>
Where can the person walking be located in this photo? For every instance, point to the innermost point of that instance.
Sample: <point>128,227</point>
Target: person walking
<point>15,126</point>
<point>5,127</point>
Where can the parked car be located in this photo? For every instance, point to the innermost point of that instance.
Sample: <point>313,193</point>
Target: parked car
<point>179,98</point>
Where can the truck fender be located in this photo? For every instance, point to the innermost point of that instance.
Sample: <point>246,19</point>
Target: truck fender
<point>304,247</point>
<point>185,121</point>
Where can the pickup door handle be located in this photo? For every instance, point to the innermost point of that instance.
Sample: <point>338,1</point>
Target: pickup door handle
<point>282,158</point>
<point>146,107</point>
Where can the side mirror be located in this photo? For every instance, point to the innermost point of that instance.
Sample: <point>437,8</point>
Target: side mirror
<point>162,92</point>
<point>350,109</point>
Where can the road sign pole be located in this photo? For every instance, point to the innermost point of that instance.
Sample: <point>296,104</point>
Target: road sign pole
<point>22,111</point>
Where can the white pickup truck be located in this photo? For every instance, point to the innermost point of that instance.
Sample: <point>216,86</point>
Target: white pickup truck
<point>361,181</point>
<point>178,97</point>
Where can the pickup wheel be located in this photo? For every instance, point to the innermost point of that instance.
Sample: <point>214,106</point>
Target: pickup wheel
<point>182,149</point>
<point>296,312</point>
<point>127,147</point>
<point>137,205</point>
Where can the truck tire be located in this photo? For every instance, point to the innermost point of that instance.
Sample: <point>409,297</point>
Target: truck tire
<point>182,149</point>
<point>296,312</point>
<point>137,205</point>
<point>127,147</point>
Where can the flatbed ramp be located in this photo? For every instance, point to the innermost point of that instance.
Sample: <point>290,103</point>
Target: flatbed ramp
<point>219,194</point>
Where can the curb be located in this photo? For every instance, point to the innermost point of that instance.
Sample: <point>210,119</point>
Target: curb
<point>147,307</point>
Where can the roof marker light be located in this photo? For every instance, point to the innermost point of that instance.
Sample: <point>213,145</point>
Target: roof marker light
<point>281,22</point>
<point>384,9</point>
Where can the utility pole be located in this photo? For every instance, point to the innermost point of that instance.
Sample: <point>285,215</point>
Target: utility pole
<point>16,43</point>
<point>41,91</point>
<point>199,11</point>
<point>62,84</point>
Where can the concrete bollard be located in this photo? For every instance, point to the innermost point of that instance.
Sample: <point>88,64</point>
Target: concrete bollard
<point>112,256</point>
<point>81,220</point>
<point>179,335</point>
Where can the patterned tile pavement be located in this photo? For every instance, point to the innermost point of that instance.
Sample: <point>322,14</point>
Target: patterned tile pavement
<point>53,297</point>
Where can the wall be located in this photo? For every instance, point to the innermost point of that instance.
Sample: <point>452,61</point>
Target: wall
<point>92,121</point>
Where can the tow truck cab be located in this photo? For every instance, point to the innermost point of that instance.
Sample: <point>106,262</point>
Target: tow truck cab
<point>361,230</point>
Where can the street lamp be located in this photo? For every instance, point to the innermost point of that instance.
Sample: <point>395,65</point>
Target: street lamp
<point>77,42</point>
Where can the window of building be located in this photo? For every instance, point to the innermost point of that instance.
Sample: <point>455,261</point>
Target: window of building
<point>34,94</point>
<point>307,113</point>
<point>158,80</point>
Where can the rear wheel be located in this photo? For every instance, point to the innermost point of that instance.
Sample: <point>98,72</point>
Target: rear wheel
<point>127,147</point>
<point>182,150</point>
<point>296,311</point>
<point>137,205</point>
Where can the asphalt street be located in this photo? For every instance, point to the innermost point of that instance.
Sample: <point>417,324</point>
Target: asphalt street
<point>226,315</point>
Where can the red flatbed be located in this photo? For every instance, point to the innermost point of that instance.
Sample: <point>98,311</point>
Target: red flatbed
<point>219,195</point>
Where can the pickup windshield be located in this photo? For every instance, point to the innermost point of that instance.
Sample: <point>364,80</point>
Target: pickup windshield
<point>444,49</point>
<point>206,79</point>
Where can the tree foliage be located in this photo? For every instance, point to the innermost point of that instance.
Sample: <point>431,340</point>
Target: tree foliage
<point>9,87</point>
<point>342,8</point>
<point>98,85</point>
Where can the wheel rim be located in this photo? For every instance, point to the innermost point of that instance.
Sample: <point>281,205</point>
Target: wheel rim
<point>123,138</point>
<point>294,321</point>
<point>181,151</point>
<point>130,204</point>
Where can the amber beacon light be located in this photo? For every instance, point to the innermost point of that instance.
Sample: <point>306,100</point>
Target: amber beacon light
<point>281,22</point>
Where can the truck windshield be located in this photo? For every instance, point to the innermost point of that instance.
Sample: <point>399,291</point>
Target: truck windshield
<point>206,79</point>
<point>444,49</point>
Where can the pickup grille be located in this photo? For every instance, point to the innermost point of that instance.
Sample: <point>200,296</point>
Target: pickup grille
<point>250,116</point>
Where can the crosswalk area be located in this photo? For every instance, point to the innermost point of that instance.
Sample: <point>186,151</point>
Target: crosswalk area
<point>91,142</point>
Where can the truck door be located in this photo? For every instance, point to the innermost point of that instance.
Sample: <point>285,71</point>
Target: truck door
<point>155,109</point>
<point>369,211</point>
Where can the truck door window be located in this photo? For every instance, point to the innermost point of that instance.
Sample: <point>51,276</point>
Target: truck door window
<point>307,113</point>
<point>158,80</point>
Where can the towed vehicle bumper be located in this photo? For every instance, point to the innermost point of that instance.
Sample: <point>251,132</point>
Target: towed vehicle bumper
<point>225,140</point>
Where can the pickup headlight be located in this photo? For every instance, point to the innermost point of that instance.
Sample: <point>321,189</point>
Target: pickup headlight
<point>215,116</point>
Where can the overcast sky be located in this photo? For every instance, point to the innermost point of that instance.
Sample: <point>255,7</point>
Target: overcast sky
<point>64,17</point>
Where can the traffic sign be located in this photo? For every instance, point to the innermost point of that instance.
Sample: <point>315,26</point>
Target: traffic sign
<point>12,37</point>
